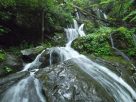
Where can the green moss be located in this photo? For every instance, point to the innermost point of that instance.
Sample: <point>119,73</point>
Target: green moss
<point>115,59</point>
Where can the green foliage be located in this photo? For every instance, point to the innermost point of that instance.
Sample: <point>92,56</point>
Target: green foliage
<point>8,69</point>
<point>116,9</point>
<point>96,42</point>
<point>103,2</point>
<point>82,3</point>
<point>131,16</point>
<point>126,35</point>
<point>24,17</point>
<point>46,45</point>
<point>89,26</point>
<point>2,55</point>
<point>131,52</point>
<point>7,3</point>
<point>3,30</point>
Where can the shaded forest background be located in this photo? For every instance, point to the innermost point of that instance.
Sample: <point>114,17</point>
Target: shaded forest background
<point>22,21</point>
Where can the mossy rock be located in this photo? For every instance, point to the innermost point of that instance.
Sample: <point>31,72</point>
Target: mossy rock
<point>11,64</point>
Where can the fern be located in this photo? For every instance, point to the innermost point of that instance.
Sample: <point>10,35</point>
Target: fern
<point>106,1</point>
<point>131,15</point>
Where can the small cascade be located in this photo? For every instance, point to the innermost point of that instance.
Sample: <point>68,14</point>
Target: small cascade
<point>35,64</point>
<point>28,89</point>
<point>134,39</point>
<point>105,16</point>
<point>73,33</point>
<point>118,51</point>
<point>115,85</point>
<point>101,14</point>
<point>77,15</point>
<point>75,24</point>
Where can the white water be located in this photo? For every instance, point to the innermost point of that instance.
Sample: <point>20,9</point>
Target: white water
<point>115,85</point>
<point>73,33</point>
<point>35,64</point>
<point>28,89</point>
<point>77,15</point>
<point>134,39</point>
<point>101,14</point>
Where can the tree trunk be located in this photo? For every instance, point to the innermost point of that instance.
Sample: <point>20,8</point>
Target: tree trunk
<point>43,27</point>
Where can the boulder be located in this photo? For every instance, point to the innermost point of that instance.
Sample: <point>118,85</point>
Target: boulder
<point>67,83</point>
<point>28,55</point>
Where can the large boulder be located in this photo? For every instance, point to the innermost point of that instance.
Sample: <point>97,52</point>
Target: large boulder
<point>67,83</point>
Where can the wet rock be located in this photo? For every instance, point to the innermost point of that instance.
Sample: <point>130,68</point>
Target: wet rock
<point>118,40</point>
<point>50,57</point>
<point>8,81</point>
<point>28,55</point>
<point>11,64</point>
<point>67,83</point>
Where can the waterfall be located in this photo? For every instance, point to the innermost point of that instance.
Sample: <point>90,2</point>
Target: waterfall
<point>28,89</point>
<point>115,85</point>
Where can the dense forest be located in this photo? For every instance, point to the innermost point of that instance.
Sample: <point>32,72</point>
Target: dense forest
<point>29,26</point>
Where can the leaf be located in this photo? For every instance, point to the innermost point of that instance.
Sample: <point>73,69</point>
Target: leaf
<point>133,19</point>
<point>105,1</point>
<point>133,13</point>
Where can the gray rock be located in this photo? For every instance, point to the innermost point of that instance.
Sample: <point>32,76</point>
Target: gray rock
<point>67,83</point>
<point>28,55</point>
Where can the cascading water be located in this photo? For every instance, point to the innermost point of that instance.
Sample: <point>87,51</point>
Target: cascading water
<point>28,89</point>
<point>101,14</point>
<point>77,15</point>
<point>134,39</point>
<point>73,33</point>
<point>114,84</point>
